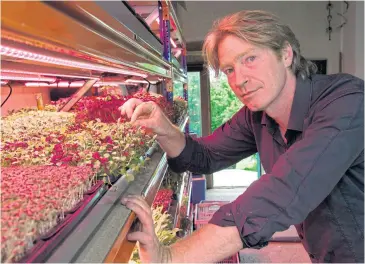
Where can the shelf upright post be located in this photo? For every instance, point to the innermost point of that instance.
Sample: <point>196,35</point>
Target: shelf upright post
<point>165,29</point>
<point>258,160</point>
<point>169,90</point>
<point>183,60</point>
<point>186,97</point>
<point>164,15</point>
<point>185,85</point>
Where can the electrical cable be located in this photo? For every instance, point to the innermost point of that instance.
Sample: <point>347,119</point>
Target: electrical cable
<point>11,91</point>
<point>149,84</point>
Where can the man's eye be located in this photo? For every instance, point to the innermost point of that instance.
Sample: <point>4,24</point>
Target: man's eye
<point>228,71</point>
<point>250,59</point>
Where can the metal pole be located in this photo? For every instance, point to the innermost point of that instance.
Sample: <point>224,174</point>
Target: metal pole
<point>259,173</point>
<point>165,38</point>
<point>186,97</point>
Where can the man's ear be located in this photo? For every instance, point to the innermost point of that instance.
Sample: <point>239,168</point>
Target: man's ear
<point>287,55</point>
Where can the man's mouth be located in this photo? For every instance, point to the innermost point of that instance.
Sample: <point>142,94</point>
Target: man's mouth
<point>248,94</point>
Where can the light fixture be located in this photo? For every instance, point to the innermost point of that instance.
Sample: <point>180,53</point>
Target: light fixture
<point>37,84</point>
<point>135,81</point>
<point>22,54</point>
<point>59,84</point>
<point>48,74</point>
<point>112,83</point>
<point>173,43</point>
<point>25,77</point>
<point>129,81</point>
<point>64,84</point>
<point>178,53</point>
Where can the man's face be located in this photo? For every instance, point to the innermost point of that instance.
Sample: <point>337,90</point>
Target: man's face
<point>255,74</point>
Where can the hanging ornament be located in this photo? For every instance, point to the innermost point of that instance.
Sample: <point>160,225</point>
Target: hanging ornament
<point>329,18</point>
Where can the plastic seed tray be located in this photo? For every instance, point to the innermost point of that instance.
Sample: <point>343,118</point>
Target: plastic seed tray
<point>204,212</point>
<point>45,245</point>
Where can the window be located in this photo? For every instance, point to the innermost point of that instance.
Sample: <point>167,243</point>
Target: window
<point>194,103</point>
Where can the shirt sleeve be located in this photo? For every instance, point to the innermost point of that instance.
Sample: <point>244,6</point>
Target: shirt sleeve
<point>303,176</point>
<point>227,145</point>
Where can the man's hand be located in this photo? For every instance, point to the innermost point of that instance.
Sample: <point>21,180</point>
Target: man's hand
<point>150,249</point>
<point>150,116</point>
<point>209,244</point>
<point>147,114</point>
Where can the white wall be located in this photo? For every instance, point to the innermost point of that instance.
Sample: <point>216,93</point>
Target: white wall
<point>308,20</point>
<point>353,40</point>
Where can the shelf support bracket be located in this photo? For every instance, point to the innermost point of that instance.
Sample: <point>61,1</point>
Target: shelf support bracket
<point>77,96</point>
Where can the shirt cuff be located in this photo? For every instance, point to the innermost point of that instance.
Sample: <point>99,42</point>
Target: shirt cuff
<point>227,215</point>
<point>181,163</point>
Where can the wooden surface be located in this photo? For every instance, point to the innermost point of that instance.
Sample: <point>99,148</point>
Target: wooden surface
<point>122,248</point>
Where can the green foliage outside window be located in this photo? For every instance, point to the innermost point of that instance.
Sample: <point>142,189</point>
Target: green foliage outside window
<point>224,104</point>
<point>178,89</point>
<point>194,103</point>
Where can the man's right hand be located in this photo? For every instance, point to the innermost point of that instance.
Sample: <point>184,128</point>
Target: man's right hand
<point>148,115</point>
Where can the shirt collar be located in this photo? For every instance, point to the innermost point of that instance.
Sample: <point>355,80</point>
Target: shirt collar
<point>300,107</point>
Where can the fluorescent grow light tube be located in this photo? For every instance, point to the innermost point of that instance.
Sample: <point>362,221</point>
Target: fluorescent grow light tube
<point>173,43</point>
<point>22,54</point>
<point>48,74</point>
<point>178,53</point>
<point>25,77</point>
<point>60,84</point>
<point>112,83</point>
<point>72,84</point>
<point>135,81</point>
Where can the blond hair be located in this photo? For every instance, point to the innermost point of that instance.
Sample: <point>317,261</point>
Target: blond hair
<point>259,28</point>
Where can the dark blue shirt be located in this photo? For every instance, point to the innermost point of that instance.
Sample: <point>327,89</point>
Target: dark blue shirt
<point>315,181</point>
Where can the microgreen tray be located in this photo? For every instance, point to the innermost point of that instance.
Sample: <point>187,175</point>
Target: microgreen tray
<point>45,245</point>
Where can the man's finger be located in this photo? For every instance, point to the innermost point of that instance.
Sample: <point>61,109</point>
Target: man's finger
<point>144,109</point>
<point>140,201</point>
<point>122,110</point>
<point>144,217</point>
<point>146,123</point>
<point>141,237</point>
<point>123,107</point>
<point>130,109</point>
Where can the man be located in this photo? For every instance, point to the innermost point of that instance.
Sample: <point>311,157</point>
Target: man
<point>308,130</point>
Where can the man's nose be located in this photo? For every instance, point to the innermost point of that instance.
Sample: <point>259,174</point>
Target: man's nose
<point>241,80</point>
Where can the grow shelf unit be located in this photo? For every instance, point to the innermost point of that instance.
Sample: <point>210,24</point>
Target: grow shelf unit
<point>97,43</point>
<point>101,236</point>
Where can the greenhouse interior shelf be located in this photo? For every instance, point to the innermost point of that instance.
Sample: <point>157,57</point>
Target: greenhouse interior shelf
<point>68,155</point>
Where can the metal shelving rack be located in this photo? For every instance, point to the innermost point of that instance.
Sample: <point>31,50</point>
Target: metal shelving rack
<point>97,41</point>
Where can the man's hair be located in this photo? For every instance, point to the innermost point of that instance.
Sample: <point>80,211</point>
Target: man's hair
<point>259,28</point>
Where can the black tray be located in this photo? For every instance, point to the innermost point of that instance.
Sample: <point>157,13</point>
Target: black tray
<point>45,245</point>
